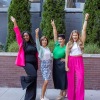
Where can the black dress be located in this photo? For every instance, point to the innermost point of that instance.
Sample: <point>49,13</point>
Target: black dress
<point>59,74</point>
<point>30,81</point>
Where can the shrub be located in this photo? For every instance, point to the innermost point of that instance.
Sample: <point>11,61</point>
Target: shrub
<point>53,9</point>
<point>13,47</point>
<point>1,47</point>
<point>93,29</point>
<point>51,45</point>
<point>20,9</point>
<point>92,49</point>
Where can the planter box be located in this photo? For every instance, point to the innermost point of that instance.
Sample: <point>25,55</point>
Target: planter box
<point>10,74</point>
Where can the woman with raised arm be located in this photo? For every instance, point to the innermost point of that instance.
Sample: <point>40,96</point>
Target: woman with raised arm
<point>74,63</point>
<point>45,56</point>
<point>59,73</point>
<point>27,58</point>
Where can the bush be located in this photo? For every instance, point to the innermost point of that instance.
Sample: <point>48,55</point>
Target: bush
<point>51,45</point>
<point>13,47</point>
<point>53,9</point>
<point>20,9</point>
<point>92,49</point>
<point>1,47</point>
<point>93,29</point>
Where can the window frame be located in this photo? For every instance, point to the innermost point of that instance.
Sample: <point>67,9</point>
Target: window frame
<point>35,1</point>
<point>73,9</point>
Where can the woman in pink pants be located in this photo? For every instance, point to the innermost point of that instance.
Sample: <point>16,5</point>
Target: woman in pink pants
<point>74,63</point>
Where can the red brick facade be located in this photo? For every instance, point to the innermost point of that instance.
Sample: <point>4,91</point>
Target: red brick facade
<point>10,74</point>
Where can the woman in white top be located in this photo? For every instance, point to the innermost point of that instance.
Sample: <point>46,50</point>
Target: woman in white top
<point>45,56</point>
<point>74,63</point>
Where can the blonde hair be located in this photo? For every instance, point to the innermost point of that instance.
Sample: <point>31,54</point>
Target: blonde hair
<point>71,41</point>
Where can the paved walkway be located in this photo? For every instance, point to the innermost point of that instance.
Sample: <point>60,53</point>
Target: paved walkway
<point>18,94</point>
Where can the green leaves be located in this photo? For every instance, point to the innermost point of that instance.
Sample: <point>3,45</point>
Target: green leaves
<point>93,29</point>
<point>20,9</point>
<point>53,9</point>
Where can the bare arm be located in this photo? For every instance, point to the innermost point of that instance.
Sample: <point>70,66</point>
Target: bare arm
<point>37,33</point>
<point>54,30</point>
<point>83,35</point>
<point>66,58</point>
<point>37,39</point>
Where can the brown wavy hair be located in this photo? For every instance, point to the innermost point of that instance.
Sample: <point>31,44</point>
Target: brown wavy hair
<point>79,41</point>
<point>42,38</point>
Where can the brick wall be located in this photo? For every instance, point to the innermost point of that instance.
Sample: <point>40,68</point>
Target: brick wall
<point>10,74</point>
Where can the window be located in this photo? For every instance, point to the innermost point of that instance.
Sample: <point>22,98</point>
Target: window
<point>4,3</point>
<point>74,4</point>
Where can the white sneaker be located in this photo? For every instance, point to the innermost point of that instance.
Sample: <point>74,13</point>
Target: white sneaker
<point>45,98</point>
<point>42,99</point>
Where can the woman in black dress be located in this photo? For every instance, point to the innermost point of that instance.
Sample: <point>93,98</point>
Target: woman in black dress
<point>59,73</point>
<point>28,60</point>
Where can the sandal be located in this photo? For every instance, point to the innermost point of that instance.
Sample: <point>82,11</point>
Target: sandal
<point>60,97</point>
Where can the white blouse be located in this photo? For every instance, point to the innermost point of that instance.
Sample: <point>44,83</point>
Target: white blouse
<point>47,54</point>
<point>75,50</point>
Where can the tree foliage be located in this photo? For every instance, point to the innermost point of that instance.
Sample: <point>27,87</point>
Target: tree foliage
<point>53,9</point>
<point>20,9</point>
<point>93,30</point>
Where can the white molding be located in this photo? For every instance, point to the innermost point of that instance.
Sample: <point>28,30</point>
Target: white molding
<point>4,9</point>
<point>92,55</point>
<point>8,53</point>
<point>73,10</point>
<point>15,54</point>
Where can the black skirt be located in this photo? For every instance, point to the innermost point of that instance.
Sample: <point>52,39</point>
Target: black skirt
<point>59,75</point>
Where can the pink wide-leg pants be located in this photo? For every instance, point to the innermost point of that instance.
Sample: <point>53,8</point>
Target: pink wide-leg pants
<point>75,78</point>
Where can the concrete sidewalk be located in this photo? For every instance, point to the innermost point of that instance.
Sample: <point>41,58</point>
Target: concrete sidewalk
<point>18,94</point>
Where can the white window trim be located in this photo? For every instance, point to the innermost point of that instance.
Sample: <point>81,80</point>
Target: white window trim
<point>73,9</point>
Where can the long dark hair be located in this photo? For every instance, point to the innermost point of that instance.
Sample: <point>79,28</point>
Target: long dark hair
<point>30,39</point>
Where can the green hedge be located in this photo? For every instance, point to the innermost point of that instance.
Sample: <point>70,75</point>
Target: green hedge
<point>51,45</point>
<point>53,9</point>
<point>93,30</point>
<point>1,47</point>
<point>20,9</point>
<point>92,49</point>
<point>13,47</point>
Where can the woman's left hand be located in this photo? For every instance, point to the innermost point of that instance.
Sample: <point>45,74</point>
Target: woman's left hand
<point>36,32</point>
<point>86,16</point>
<point>63,60</point>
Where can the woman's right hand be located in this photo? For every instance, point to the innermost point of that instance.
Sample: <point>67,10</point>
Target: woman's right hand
<point>66,68</point>
<point>13,19</point>
<point>36,32</point>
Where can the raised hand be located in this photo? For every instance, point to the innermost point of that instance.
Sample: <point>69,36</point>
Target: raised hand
<point>36,32</point>
<point>52,23</point>
<point>12,19</point>
<point>86,16</point>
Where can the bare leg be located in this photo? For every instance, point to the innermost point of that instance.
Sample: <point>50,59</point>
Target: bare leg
<point>61,92</point>
<point>61,95</point>
<point>44,88</point>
